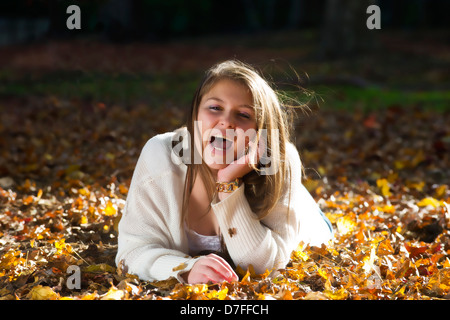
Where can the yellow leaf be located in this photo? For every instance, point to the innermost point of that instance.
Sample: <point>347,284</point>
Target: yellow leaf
<point>333,217</point>
<point>345,225</point>
<point>62,247</point>
<point>416,185</point>
<point>322,273</point>
<point>219,295</point>
<point>83,220</point>
<point>440,191</point>
<point>197,288</point>
<point>83,191</point>
<point>401,292</point>
<point>299,254</point>
<point>100,268</point>
<point>110,210</point>
<point>429,201</point>
<point>383,184</point>
<point>113,294</point>
<point>222,294</point>
<point>90,296</point>
<point>340,294</point>
<point>42,293</point>
<point>386,208</point>
<point>399,164</point>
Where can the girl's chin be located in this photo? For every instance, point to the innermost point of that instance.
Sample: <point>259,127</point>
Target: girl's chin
<point>216,167</point>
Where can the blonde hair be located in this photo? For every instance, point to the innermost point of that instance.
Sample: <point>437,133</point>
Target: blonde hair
<point>262,191</point>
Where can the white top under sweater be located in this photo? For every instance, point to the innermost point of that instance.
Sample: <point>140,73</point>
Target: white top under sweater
<point>199,242</point>
<point>155,247</point>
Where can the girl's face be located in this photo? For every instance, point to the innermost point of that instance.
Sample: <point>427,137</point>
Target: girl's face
<point>226,121</point>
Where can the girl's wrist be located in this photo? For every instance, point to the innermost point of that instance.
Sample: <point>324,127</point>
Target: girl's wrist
<point>228,186</point>
<point>225,189</point>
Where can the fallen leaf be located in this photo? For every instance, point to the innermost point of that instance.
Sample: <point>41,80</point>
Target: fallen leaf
<point>113,294</point>
<point>40,292</point>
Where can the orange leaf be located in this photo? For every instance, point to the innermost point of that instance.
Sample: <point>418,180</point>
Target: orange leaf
<point>28,200</point>
<point>385,248</point>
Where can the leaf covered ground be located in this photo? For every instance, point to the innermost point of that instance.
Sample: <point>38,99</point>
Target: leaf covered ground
<point>380,175</point>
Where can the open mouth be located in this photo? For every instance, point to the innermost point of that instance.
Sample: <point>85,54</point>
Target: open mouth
<point>220,143</point>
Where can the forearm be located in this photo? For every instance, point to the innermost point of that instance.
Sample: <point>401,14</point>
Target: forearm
<point>150,262</point>
<point>248,240</point>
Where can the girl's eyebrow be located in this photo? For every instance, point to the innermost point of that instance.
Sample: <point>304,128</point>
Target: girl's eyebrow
<point>220,100</point>
<point>214,98</point>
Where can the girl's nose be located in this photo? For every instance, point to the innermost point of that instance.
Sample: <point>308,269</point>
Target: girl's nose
<point>227,121</point>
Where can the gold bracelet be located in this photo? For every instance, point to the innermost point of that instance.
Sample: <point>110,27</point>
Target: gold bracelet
<point>228,187</point>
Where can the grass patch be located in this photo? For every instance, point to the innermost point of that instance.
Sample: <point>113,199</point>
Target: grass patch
<point>372,98</point>
<point>119,88</point>
<point>178,89</point>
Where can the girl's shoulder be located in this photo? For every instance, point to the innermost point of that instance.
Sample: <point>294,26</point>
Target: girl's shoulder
<point>160,143</point>
<point>292,154</point>
<point>156,155</point>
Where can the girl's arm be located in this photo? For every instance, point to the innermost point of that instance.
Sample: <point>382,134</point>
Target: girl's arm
<point>145,241</point>
<point>268,243</point>
<point>151,242</point>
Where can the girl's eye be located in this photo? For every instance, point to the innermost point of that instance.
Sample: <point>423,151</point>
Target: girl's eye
<point>244,115</point>
<point>215,107</point>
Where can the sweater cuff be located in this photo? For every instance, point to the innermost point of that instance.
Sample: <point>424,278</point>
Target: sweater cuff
<point>183,268</point>
<point>175,266</point>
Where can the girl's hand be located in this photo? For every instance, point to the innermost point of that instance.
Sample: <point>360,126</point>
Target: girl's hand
<point>241,166</point>
<point>210,268</point>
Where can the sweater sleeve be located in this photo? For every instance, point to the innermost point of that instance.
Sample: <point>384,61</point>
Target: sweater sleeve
<point>151,242</point>
<point>268,243</point>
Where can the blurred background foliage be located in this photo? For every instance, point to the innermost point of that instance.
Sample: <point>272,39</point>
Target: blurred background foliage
<point>155,51</point>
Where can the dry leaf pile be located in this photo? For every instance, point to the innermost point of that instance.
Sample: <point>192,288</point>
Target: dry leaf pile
<point>382,178</point>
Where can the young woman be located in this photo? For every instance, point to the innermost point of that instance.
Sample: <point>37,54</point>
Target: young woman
<point>223,191</point>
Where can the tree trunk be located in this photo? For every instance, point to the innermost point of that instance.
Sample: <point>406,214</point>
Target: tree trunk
<point>344,31</point>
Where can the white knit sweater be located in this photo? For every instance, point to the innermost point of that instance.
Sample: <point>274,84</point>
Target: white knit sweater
<point>154,247</point>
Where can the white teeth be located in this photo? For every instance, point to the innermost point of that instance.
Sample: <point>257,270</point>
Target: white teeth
<point>220,137</point>
<point>217,145</point>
